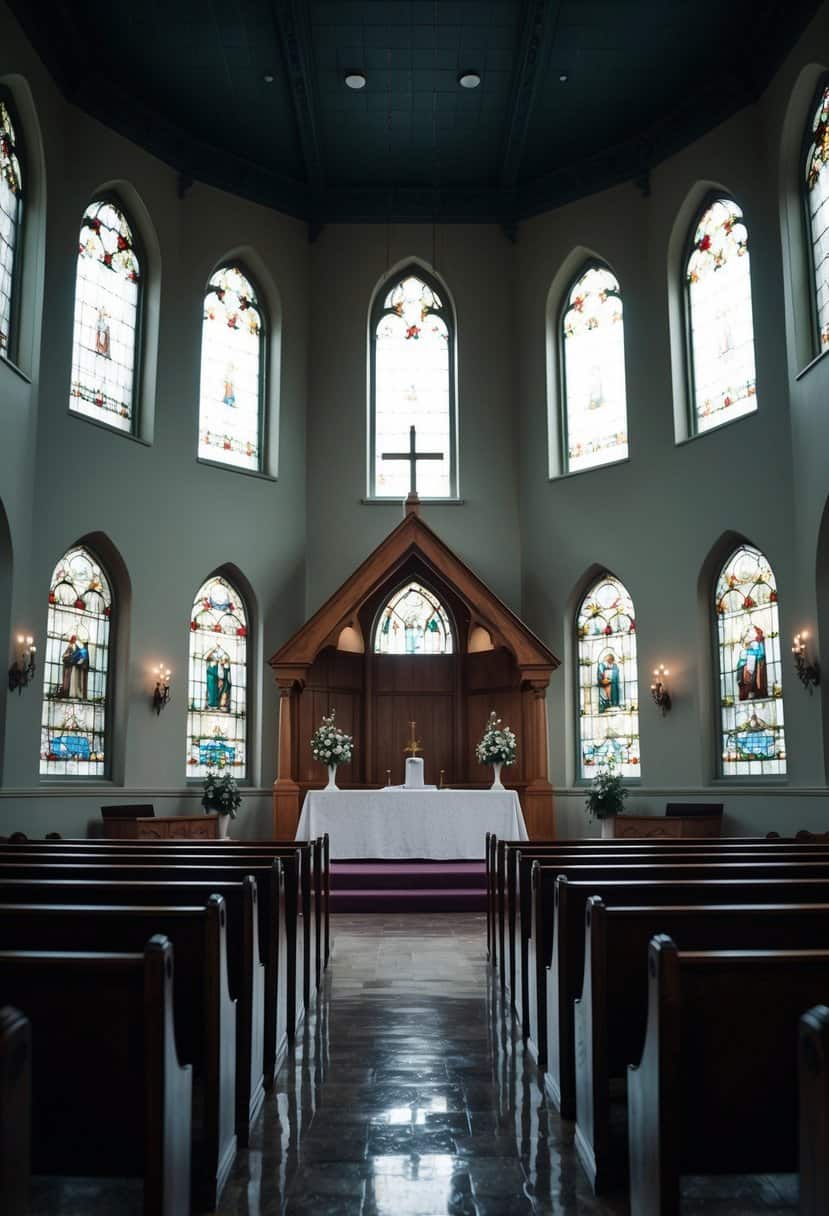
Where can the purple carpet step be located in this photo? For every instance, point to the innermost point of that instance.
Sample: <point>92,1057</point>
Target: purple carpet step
<point>408,886</point>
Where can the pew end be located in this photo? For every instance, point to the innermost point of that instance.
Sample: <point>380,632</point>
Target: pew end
<point>15,1110</point>
<point>813,1071</point>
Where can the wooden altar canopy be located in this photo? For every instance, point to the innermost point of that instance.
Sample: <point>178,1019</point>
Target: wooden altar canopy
<point>496,663</point>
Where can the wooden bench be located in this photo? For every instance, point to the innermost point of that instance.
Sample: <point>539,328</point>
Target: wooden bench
<point>204,1015</point>
<point>611,1013</point>
<point>813,1074</point>
<point>246,973</point>
<point>540,937</point>
<point>566,972</point>
<point>715,1091</point>
<point>15,1110</point>
<point>109,1096</point>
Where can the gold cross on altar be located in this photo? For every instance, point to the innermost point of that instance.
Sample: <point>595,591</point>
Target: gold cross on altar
<point>413,745</point>
<point>412,456</point>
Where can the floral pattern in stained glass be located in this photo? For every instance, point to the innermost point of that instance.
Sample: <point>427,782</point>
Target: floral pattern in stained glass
<point>11,195</point>
<point>593,343</point>
<point>230,403</point>
<point>817,191</point>
<point>413,622</point>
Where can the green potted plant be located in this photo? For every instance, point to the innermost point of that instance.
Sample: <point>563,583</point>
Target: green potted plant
<point>607,797</point>
<point>221,794</point>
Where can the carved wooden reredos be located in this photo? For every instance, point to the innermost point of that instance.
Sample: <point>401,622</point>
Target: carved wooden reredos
<point>496,663</point>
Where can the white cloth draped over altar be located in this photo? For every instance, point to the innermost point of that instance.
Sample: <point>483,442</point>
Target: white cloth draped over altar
<point>401,823</point>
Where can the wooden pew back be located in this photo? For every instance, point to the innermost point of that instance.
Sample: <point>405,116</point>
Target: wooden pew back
<point>15,1110</point>
<point>813,1075</point>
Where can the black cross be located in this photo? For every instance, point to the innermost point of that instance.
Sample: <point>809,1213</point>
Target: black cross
<point>412,456</point>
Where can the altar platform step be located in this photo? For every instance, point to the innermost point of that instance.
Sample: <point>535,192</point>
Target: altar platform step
<point>408,886</point>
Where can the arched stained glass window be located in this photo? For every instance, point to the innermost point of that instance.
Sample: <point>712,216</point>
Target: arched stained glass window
<point>107,301</point>
<point>751,689</point>
<point>412,384</point>
<point>608,680</point>
<point>817,206</point>
<point>593,364</point>
<point>217,683</point>
<point>720,322</point>
<point>74,724</point>
<point>413,622</point>
<point>11,214</point>
<point>231,391</point>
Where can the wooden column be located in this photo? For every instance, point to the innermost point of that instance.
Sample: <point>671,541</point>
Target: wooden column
<point>286,789</point>
<point>538,796</point>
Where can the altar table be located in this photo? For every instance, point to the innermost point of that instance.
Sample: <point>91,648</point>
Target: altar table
<point>401,823</point>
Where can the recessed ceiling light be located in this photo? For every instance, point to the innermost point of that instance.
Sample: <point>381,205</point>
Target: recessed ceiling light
<point>356,80</point>
<point>469,80</point>
<point>268,78</point>
<point>564,78</point>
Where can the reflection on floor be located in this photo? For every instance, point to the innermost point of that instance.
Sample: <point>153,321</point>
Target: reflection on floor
<point>410,1095</point>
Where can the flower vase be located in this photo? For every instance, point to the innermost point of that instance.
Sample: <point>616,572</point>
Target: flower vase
<point>496,773</point>
<point>608,827</point>
<point>332,773</point>
<point>223,825</point>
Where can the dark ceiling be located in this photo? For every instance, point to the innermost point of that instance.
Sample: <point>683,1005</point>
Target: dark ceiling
<point>575,95</point>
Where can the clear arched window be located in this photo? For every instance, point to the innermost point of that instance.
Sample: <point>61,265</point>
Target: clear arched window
<point>231,389</point>
<point>74,735</point>
<point>217,681</point>
<point>817,206</point>
<point>412,384</point>
<point>413,622</point>
<point>608,680</point>
<point>750,669</point>
<point>107,311</point>
<point>593,371</point>
<point>11,216</point>
<point>720,321</point>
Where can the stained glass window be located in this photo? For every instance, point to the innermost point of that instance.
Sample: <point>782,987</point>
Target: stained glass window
<point>608,680</point>
<point>217,682</point>
<point>107,297</point>
<point>593,344</point>
<point>413,622</point>
<point>817,202</point>
<point>74,722</point>
<point>11,203</point>
<point>751,690</point>
<point>413,385</point>
<point>230,393</point>
<point>721,327</point>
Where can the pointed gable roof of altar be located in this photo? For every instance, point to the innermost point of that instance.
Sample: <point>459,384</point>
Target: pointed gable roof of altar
<point>411,538</point>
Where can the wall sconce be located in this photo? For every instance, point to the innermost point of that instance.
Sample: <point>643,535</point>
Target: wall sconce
<point>22,670</point>
<point>659,689</point>
<point>808,673</point>
<point>161,693</point>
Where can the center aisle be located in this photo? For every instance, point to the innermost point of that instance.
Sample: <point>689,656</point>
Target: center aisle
<point>409,1095</point>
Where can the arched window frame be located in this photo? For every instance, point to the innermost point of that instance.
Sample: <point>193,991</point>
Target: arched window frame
<point>447,315</point>
<point>110,677</point>
<point>114,200</point>
<point>711,197</point>
<point>240,265</point>
<point>395,595</point>
<point>585,772</point>
<point>243,601</point>
<point>774,670</point>
<point>819,344</point>
<point>589,264</point>
<point>10,352</point>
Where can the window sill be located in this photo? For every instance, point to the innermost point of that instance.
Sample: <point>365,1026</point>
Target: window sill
<point>594,468</point>
<point>715,430</point>
<point>424,502</point>
<point>105,426</point>
<point>813,363</point>
<point>6,362</point>
<point>235,468</point>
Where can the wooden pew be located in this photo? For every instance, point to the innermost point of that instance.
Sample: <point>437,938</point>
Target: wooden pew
<point>813,1072</point>
<point>246,972</point>
<point>304,904</point>
<point>611,1012</point>
<point>204,1015</point>
<point>715,1091</point>
<point>540,936</point>
<point>108,1094</point>
<point>564,976</point>
<point>15,1110</point>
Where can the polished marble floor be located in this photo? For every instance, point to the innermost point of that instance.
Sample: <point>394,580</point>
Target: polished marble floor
<point>410,1094</point>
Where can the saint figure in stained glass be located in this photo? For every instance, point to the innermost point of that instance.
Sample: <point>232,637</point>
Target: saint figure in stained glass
<point>608,682</point>
<point>217,693</point>
<point>11,211</point>
<point>751,665</point>
<point>413,622</point>
<point>231,400</point>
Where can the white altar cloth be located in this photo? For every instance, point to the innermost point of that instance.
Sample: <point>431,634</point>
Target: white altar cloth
<point>401,823</point>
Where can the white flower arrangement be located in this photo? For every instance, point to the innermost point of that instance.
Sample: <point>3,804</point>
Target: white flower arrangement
<point>498,744</point>
<point>221,793</point>
<point>330,745</point>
